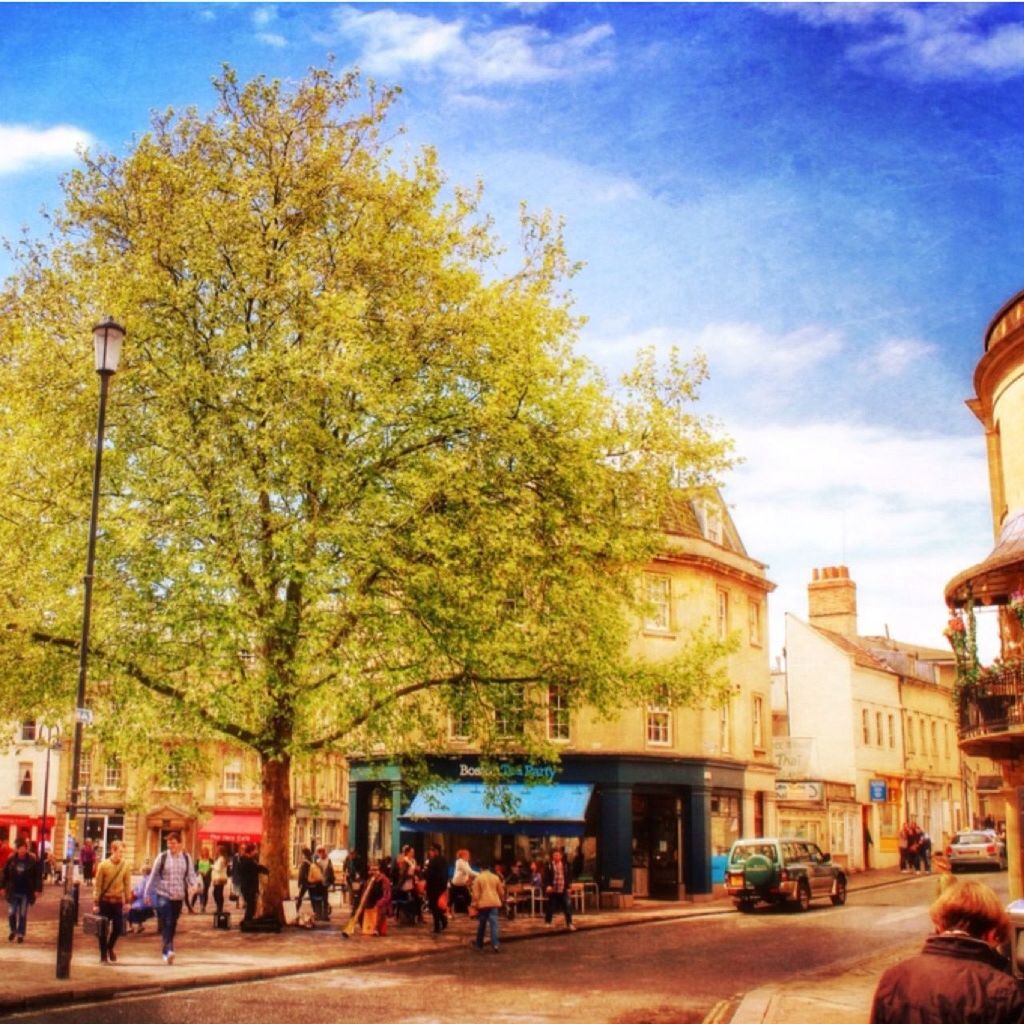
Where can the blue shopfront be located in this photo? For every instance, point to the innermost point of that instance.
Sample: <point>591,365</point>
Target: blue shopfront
<point>639,825</point>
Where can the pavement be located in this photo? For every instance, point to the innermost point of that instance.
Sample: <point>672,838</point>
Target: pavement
<point>206,957</point>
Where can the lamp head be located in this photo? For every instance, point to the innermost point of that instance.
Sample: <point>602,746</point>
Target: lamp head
<point>107,338</point>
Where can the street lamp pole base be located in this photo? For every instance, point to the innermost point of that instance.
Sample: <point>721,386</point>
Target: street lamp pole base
<point>65,935</point>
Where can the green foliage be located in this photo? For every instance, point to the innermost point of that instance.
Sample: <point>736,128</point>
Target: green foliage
<point>356,480</point>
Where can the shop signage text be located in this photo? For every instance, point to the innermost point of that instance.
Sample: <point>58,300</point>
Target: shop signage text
<point>531,772</point>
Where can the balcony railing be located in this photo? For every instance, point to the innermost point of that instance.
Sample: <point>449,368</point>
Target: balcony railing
<point>995,706</point>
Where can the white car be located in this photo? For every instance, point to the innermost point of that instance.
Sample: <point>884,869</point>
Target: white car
<point>978,847</point>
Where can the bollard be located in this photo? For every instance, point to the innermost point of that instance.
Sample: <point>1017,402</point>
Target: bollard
<point>75,889</point>
<point>65,935</point>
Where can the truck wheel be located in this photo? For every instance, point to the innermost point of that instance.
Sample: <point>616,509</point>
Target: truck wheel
<point>839,896</point>
<point>803,897</point>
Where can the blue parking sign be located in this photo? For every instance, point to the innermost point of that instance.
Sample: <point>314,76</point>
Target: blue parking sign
<point>877,790</point>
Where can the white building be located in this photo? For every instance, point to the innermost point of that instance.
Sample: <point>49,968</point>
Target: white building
<point>29,769</point>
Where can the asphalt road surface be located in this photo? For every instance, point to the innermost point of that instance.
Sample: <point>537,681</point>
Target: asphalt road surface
<point>658,973</point>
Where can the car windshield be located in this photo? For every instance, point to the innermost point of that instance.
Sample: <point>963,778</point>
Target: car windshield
<point>741,854</point>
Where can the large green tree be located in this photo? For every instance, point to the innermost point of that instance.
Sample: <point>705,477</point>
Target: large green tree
<point>356,477</point>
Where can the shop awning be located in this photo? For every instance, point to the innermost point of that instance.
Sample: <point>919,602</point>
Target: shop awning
<point>233,827</point>
<point>25,821</point>
<point>541,810</point>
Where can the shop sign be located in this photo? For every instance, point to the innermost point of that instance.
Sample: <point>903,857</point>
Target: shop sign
<point>510,772</point>
<point>799,791</point>
<point>878,790</point>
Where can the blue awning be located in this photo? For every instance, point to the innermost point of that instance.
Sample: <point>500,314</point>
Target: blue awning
<point>557,809</point>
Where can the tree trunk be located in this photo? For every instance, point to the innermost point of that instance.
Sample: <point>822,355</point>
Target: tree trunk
<point>274,853</point>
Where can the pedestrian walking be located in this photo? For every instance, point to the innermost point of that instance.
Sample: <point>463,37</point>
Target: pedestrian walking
<point>435,874</point>
<point>487,898</point>
<point>204,867</point>
<point>556,881</point>
<point>462,879</point>
<point>140,911</point>
<point>112,896</point>
<point>219,877</point>
<point>19,880</point>
<point>960,974</point>
<point>87,860</point>
<point>170,881</point>
<point>327,872</point>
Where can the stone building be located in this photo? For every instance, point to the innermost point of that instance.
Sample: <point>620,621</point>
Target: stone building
<point>870,737</point>
<point>654,795</point>
<point>992,699</point>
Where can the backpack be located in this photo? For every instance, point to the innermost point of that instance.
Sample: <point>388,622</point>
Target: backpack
<point>315,876</point>
<point>162,859</point>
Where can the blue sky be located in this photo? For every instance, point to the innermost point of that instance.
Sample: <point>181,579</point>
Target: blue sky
<point>822,198</point>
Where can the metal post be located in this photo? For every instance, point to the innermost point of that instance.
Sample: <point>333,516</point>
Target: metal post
<point>69,905</point>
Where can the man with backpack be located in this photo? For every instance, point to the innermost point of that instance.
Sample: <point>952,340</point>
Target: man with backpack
<point>169,884</point>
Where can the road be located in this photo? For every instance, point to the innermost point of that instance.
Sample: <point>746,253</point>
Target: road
<point>658,973</point>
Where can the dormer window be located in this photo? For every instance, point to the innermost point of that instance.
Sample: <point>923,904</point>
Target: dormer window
<point>709,519</point>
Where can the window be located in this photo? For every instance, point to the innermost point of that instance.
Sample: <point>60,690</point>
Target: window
<point>24,779</point>
<point>709,519</point>
<point>233,776</point>
<point>509,713</point>
<point>892,732</point>
<point>757,721</point>
<point>879,737</point>
<point>459,725</point>
<point>910,735</point>
<point>85,771</point>
<point>723,615</point>
<point>946,728</point>
<point>921,736</point>
<point>724,729</point>
<point>865,725</point>
<point>558,713</point>
<point>935,739</point>
<point>28,732</point>
<point>659,726</point>
<point>112,773</point>
<point>754,621</point>
<point>657,601</point>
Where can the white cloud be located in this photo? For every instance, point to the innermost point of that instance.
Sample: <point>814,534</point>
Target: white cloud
<point>894,357</point>
<point>264,16</point>
<point>829,492</point>
<point>274,39</point>
<point>923,42</point>
<point>22,146</point>
<point>396,42</point>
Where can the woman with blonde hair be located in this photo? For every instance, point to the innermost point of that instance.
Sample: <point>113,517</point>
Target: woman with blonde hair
<point>462,878</point>
<point>961,974</point>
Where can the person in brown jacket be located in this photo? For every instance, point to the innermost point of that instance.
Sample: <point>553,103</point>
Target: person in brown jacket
<point>112,896</point>
<point>960,975</point>
<point>488,898</point>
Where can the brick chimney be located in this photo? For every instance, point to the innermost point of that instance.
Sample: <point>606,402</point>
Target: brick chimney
<point>832,600</point>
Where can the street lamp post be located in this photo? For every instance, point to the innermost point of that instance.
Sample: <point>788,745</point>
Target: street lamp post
<point>107,338</point>
<point>52,743</point>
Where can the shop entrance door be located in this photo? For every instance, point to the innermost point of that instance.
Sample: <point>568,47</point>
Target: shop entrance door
<point>657,837</point>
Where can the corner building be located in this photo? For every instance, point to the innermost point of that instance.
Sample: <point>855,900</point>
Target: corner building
<point>991,701</point>
<point>650,798</point>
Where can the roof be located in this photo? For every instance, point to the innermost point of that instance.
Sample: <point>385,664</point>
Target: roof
<point>993,580</point>
<point>850,645</point>
<point>919,651</point>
